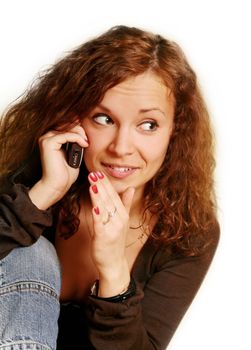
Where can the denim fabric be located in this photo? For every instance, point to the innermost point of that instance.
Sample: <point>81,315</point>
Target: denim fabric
<point>29,298</point>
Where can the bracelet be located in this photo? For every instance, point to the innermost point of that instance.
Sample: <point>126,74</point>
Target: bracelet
<point>130,291</point>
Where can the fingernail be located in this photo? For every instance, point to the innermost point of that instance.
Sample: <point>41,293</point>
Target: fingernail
<point>99,174</point>
<point>96,210</point>
<point>86,139</point>
<point>94,189</point>
<point>93,177</point>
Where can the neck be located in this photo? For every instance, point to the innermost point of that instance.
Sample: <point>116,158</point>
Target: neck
<point>137,209</point>
<point>138,200</point>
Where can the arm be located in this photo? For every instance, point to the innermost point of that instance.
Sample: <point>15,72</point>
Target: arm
<point>147,321</point>
<point>169,293</point>
<point>23,212</point>
<point>21,222</point>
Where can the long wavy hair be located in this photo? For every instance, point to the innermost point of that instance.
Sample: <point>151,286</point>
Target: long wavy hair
<point>181,194</point>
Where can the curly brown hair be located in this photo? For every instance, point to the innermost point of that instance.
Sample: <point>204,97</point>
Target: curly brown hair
<point>181,193</point>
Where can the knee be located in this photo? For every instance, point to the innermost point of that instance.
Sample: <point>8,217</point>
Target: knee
<point>30,282</point>
<point>38,262</point>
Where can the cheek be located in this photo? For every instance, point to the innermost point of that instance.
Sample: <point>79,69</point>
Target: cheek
<point>93,151</point>
<point>90,153</point>
<point>155,152</point>
<point>87,160</point>
<point>157,158</point>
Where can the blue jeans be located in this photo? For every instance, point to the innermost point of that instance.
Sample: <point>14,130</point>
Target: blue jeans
<point>30,282</point>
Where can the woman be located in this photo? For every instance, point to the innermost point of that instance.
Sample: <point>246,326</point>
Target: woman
<point>138,215</point>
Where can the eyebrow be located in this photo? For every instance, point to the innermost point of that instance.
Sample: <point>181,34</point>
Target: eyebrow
<point>141,111</point>
<point>152,109</point>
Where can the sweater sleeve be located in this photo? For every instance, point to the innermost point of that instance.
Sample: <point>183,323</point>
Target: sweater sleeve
<point>21,222</point>
<point>148,320</point>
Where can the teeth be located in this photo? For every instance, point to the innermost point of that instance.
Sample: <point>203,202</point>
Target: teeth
<point>122,170</point>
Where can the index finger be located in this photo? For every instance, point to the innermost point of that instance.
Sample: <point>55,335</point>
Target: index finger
<point>110,193</point>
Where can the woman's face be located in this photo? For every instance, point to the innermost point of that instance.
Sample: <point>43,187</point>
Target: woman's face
<point>129,131</point>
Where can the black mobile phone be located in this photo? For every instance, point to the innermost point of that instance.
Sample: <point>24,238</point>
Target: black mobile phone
<point>74,154</point>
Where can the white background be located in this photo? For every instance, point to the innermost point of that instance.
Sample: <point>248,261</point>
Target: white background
<point>215,37</point>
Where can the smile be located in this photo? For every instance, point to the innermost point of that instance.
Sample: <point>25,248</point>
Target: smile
<point>119,171</point>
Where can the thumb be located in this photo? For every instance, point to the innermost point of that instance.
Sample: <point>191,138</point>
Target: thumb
<point>127,197</point>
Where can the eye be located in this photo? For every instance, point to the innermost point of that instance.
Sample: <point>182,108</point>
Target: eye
<point>102,119</point>
<point>149,125</point>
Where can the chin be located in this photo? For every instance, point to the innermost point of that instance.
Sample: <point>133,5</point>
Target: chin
<point>119,188</point>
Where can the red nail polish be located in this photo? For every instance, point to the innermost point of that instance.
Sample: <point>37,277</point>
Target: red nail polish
<point>99,174</point>
<point>93,177</point>
<point>94,189</point>
<point>96,209</point>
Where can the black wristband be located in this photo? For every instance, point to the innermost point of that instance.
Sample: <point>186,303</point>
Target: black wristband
<point>131,290</point>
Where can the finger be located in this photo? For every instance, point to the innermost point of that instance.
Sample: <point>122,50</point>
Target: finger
<point>55,140</point>
<point>59,131</point>
<point>110,196</point>
<point>106,194</point>
<point>97,219</point>
<point>95,197</point>
<point>97,202</point>
<point>106,198</point>
<point>80,130</point>
<point>127,197</point>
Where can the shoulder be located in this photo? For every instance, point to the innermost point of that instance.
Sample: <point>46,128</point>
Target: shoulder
<point>212,240</point>
<point>164,255</point>
<point>158,258</point>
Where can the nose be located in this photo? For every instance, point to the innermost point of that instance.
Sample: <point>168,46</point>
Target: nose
<point>122,142</point>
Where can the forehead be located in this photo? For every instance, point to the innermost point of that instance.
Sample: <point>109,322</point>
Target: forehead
<point>145,88</point>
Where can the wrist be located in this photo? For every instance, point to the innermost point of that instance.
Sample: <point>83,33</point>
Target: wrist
<point>42,196</point>
<point>119,298</point>
<point>114,282</point>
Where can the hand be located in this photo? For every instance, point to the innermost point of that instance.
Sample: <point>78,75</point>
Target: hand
<point>57,175</point>
<point>110,225</point>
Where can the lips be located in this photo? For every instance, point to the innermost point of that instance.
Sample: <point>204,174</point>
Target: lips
<point>119,171</point>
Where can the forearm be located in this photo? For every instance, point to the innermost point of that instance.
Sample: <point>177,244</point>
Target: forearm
<point>114,281</point>
<point>166,286</point>
<point>43,197</point>
<point>118,325</point>
<point>21,222</point>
